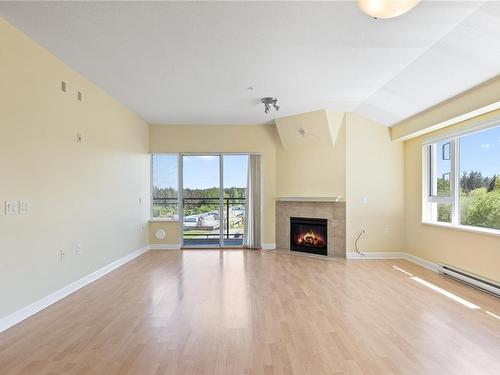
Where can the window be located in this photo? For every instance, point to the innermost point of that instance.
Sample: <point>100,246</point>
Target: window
<point>462,180</point>
<point>165,186</point>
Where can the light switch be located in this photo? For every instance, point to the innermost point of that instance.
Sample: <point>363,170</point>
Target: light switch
<point>11,208</point>
<point>24,207</point>
<point>364,201</point>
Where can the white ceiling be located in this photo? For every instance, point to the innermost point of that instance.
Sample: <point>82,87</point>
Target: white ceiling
<point>192,62</point>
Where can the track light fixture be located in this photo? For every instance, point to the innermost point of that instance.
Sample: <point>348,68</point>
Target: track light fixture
<point>268,101</point>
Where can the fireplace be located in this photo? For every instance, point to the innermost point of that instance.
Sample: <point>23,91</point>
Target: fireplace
<point>309,235</point>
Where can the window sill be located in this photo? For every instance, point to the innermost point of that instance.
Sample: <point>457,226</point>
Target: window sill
<point>162,220</point>
<point>466,228</point>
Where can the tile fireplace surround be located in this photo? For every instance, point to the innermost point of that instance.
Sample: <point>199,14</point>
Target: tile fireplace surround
<point>331,210</point>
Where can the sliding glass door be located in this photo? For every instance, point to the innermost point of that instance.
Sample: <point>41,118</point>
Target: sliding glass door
<point>201,200</point>
<point>234,183</point>
<point>213,199</point>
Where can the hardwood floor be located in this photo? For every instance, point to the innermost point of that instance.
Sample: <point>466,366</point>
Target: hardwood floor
<point>251,312</point>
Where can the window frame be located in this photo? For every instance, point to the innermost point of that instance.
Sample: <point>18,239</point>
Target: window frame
<point>429,149</point>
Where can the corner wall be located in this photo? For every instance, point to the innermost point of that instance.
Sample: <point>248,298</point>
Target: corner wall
<point>374,187</point>
<point>362,163</point>
<point>85,194</point>
<point>474,252</point>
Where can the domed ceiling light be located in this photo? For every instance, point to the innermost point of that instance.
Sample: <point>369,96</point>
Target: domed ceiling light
<point>386,8</point>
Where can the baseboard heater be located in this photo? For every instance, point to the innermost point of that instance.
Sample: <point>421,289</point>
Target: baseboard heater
<point>475,281</point>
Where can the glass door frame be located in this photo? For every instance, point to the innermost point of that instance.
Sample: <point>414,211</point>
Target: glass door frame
<point>220,155</point>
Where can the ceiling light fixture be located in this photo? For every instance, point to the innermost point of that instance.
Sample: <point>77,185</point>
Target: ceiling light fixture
<point>268,102</point>
<point>386,8</point>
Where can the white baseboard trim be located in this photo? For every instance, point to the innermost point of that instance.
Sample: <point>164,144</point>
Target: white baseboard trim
<point>161,246</point>
<point>375,255</point>
<point>423,262</point>
<point>394,255</point>
<point>27,311</point>
<point>268,246</point>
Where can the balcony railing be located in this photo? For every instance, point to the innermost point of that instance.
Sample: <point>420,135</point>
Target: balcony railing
<point>201,216</point>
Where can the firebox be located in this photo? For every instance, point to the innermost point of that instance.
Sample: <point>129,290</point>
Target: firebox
<point>309,235</point>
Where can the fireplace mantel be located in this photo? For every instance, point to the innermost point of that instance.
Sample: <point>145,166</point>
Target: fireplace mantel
<point>310,199</point>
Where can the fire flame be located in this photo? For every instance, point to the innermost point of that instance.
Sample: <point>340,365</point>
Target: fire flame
<point>310,238</point>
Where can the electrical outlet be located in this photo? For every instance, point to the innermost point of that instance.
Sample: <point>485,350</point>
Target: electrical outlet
<point>61,255</point>
<point>78,249</point>
<point>24,207</point>
<point>140,200</point>
<point>11,208</point>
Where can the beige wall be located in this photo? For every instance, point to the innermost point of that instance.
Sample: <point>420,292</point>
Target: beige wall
<point>374,169</point>
<point>313,171</point>
<point>226,138</point>
<point>84,193</point>
<point>473,252</point>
